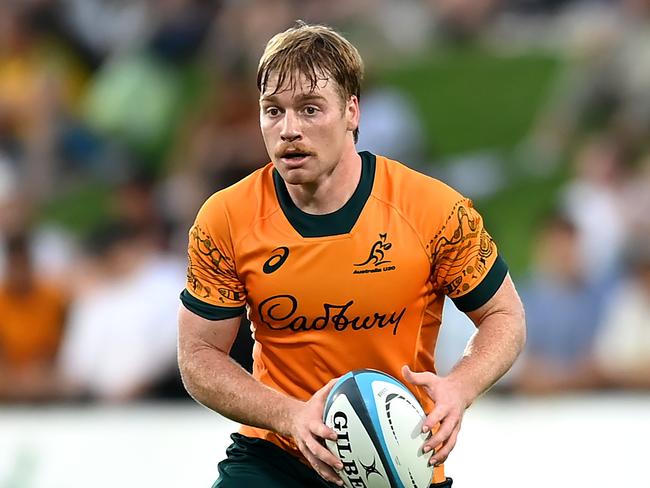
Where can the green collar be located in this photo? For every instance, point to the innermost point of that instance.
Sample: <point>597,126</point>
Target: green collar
<point>335,223</point>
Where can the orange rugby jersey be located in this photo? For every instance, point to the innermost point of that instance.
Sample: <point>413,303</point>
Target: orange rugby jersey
<point>362,287</point>
<point>31,325</point>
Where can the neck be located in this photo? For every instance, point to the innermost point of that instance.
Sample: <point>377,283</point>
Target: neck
<point>332,190</point>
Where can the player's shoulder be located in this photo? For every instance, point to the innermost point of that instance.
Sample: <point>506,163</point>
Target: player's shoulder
<point>412,191</point>
<point>247,199</point>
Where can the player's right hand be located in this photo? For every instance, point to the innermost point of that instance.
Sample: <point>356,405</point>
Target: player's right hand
<point>309,432</point>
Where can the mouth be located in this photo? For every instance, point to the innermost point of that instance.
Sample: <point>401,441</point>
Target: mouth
<point>294,158</point>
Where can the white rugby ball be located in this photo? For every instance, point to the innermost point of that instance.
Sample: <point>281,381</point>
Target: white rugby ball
<point>379,427</point>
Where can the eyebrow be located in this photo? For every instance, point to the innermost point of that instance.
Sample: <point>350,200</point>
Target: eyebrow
<point>304,97</point>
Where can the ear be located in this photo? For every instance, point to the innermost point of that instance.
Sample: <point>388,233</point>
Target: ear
<point>352,113</point>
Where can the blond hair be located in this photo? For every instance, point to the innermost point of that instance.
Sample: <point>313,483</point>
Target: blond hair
<point>316,52</point>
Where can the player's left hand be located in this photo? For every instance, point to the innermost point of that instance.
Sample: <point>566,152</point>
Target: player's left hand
<point>446,416</point>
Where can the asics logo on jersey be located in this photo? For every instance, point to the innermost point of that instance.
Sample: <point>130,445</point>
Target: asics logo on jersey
<point>277,259</point>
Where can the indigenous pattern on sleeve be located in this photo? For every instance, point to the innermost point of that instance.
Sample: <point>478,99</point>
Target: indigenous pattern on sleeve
<point>461,251</point>
<point>213,289</point>
<point>210,272</point>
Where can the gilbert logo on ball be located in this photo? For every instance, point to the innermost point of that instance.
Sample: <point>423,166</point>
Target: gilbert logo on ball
<point>379,427</point>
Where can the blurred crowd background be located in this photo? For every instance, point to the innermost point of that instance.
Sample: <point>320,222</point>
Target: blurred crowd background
<point>119,117</point>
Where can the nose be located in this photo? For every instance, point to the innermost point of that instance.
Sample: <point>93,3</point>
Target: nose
<point>290,127</point>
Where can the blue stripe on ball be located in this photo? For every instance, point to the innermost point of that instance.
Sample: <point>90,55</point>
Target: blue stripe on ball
<point>364,380</point>
<point>334,391</point>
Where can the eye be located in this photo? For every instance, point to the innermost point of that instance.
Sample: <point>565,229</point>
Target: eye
<point>310,110</point>
<point>272,111</point>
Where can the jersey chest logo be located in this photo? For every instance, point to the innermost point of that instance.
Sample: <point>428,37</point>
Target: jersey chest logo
<point>377,257</point>
<point>277,259</point>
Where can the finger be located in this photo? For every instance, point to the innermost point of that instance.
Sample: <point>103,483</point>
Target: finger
<point>418,379</point>
<point>322,453</point>
<point>321,395</point>
<point>432,421</point>
<point>324,471</point>
<point>321,430</point>
<point>319,466</point>
<point>325,389</point>
<point>441,455</point>
<point>322,460</point>
<point>445,429</point>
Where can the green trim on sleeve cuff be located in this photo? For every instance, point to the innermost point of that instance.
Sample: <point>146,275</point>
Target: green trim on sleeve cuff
<point>208,311</point>
<point>486,288</point>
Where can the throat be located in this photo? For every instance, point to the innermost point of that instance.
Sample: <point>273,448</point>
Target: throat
<point>328,195</point>
<point>318,201</point>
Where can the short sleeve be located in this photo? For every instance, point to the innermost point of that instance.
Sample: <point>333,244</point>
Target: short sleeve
<point>465,263</point>
<point>213,290</point>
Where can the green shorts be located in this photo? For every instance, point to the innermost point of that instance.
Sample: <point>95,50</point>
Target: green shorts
<point>253,463</point>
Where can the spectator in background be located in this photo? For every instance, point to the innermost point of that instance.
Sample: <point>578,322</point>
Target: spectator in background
<point>135,202</point>
<point>51,247</point>
<point>223,136</point>
<point>120,342</point>
<point>463,19</point>
<point>142,96</point>
<point>606,83</point>
<point>562,311</point>
<point>214,151</point>
<point>594,201</point>
<point>637,200</point>
<point>102,27</point>
<point>622,348</point>
<point>14,206</point>
<point>391,125</point>
<point>32,315</point>
<point>41,82</point>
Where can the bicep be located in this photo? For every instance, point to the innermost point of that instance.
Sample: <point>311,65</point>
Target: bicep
<point>196,333</point>
<point>505,301</point>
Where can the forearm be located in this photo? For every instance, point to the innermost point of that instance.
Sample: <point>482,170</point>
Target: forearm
<point>216,381</point>
<point>490,353</point>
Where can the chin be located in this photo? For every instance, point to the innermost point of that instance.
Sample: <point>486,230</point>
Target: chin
<point>295,176</point>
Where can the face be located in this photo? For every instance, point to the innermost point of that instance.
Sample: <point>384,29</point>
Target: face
<point>307,131</point>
